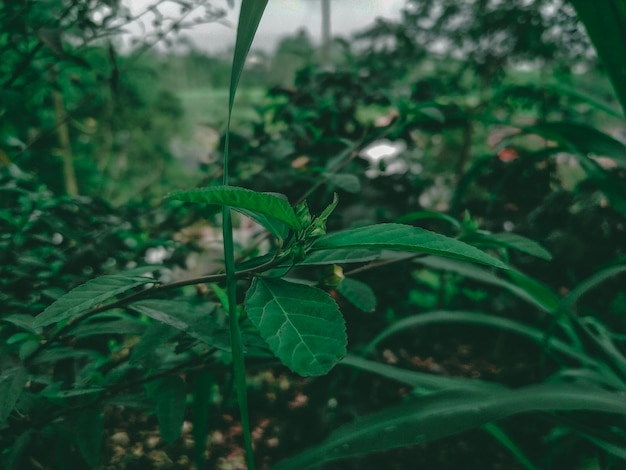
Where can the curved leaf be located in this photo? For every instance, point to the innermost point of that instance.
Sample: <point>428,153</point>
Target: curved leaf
<point>607,181</point>
<point>125,326</point>
<point>88,429</point>
<point>244,199</point>
<point>448,413</point>
<point>250,16</point>
<point>398,237</point>
<point>418,380</point>
<point>272,225</point>
<point>339,256</point>
<point>505,441</point>
<point>429,215</point>
<point>301,324</point>
<point>591,283</point>
<point>358,294</point>
<point>346,181</point>
<point>170,396</point>
<point>60,353</point>
<point>522,286</point>
<point>249,19</point>
<point>184,317</point>
<point>154,336</point>
<point>509,240</point>
<point>480,319</point>
<point>14,455</point>
<point>12,383</point>
<point>595,102</point>
<point>88,295</point>
<point>203,383</point>
<point>582,138</point>
<point>605,22</point>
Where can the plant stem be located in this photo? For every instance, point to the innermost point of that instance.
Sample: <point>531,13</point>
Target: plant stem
<point>239,366</point>
<point>236,343</point>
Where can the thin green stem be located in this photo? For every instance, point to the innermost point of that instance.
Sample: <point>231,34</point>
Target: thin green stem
<point>249,17</point>
<point>239,366</point>
<point>236,343</point>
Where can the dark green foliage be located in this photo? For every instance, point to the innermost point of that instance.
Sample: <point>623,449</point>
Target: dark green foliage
<point>474,276</point>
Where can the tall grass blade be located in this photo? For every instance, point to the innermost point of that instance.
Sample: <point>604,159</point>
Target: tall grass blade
<point>249,19</point>
<point>522,286</point>
<point>605,22</point>
<point>489,321</point>
<point>591,283</point>
<point>448,413</point>
<point>421,381</point>
<point>499,435</point>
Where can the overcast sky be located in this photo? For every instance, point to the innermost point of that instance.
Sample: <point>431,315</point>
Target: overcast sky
<point>282,17</point>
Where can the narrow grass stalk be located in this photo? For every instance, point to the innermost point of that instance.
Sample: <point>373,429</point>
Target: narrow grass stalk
<point>239,367</point>
<point>249,18</point>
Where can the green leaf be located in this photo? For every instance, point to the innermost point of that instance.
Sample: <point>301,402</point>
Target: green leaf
<point>123,326</point>
<point>339,256</point>
<point>358,294</point>
<point>582,138</point>
<point>201,410</point>
<point>12,383</point>
<point>131,400</point>
<point>499,435</point>
<point>170,397</point>
<point>60,353</point>
<point>27,348</point>
<point>618,450</point>
<point>184,317</point>
<point>249,19</point>
<point>550,344</point>
<point>521,286</point>
<point>154,336</point>
<point>607,182</point>
<point>508,240</point>
<point>320,221</point>
<point>88,427</point>
<point>591,283</point>
<point>13,460</point>
<point>419,380</point>
<point>429,215</point>
<point>301,324</point>
<point>585,98</point>
<point>348,182</point>
<point>605,22</point>
<point>405,238</point>
<point>448,413</point>
<point>431,112</point>
<point>265,204</point>
<point>88,295</point>
<point>272,225</point>
<point>54,392</point>
<point>21,321</point>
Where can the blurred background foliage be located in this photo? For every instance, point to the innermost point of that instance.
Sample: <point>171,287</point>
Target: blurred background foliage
<point>451,109</point>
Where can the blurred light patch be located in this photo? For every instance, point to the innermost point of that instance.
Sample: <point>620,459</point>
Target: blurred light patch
<point>383,156</point>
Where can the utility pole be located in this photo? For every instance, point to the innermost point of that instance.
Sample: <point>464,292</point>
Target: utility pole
<point>69,175</point>
<point>326,32</point>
